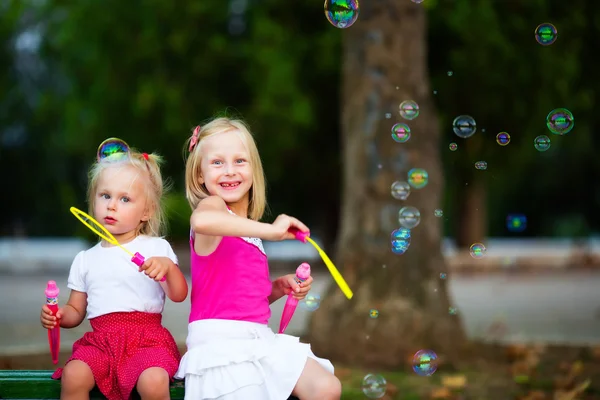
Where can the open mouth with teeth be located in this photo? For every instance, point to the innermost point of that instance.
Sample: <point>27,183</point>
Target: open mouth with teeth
<point>230,185</point>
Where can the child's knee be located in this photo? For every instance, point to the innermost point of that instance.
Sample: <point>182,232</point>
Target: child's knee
<point>76,376</point>
<point>153,383</point>
<point>329,387</point>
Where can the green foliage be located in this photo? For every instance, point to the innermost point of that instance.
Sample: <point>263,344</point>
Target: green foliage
<point>148,72</point>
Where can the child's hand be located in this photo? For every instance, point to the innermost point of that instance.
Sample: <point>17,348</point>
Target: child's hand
<point>48,320</point>
<point>287,283</point>
<point>282,225</point>
<point>156,267</point>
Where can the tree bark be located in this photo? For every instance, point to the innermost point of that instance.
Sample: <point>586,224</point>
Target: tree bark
<point>385,63</point>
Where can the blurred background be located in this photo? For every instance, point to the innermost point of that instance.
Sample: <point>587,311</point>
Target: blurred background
<point>75,73</point>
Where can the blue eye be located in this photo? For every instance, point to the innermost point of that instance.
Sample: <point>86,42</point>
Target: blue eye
<point>105,196</point>
<point>125,199</point>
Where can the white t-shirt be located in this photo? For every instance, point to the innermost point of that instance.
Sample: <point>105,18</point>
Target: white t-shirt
<point>113,282</point>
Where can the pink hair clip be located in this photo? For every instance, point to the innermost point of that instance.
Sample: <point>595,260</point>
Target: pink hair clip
<point>194,139</point>
<point>145,155</point>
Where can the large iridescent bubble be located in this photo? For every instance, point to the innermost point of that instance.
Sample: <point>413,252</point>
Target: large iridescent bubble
<point>341,13</point>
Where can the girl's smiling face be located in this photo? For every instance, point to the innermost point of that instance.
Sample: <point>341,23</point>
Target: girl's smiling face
<point>226,169</point>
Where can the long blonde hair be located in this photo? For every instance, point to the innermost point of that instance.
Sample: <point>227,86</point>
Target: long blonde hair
<point>195,191</point>
<point>149,165</point>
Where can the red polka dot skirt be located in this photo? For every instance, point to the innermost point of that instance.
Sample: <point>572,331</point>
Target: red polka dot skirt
<point>122,346</point>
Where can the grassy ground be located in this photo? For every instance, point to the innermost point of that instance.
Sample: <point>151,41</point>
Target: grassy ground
<point>497,373</point>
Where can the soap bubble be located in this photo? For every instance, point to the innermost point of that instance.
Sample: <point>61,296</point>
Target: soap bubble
<point>418,178</point>
<point>374,386</point>
<point>425,362</point>
<point>443,275</point>
<point>453,146</point>
<point>409,109</point>
<point>112,149</point>
<point>452,310</point>
<point>401,233</point>
<point>438,213</point>
<point>341,13</point>
<point>401,132</point>
<point>400,246</point>
<point>481,165</point>
<point>450,73</point>
<point>503,138</point>
<point>409,217</point>
<point>400,190</point>
<point>546,34</point>
<point>541,143</point>
<point>388,115</point>
<point>560,121</point>
<point>373,313</point>
<point>417,1</point>
<point>516,222</point>
<point>477,250</point>
<point>400,240</point>
<point>311,302</point>
<point>464,126</point>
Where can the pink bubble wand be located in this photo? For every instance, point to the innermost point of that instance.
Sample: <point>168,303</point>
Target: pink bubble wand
<point>302,274</point>
<point>52,293</point>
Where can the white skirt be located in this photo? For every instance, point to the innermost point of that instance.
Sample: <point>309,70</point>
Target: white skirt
<point>239,360</point>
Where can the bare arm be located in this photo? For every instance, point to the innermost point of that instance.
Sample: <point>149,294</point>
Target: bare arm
<point>73,313</point>
<point>175,287</point>
<point>211,218</point>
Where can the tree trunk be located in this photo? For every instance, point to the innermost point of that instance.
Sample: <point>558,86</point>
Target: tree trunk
<point>385,63</point>
<point>472,214</point>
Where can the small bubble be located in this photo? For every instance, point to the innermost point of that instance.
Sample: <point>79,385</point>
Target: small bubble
<point>388,115</point>
<point>409,109</point>
<point>435,92</point>
<point>409,217</point>
<point>400,190</point>
<point>477,250</point>
<point>503,138</point>
<point>560,121</point>
<point>311,302</point>
<point>450,73</point>
<point>516,222</point>
<point>374,386</point>
<point>464,126</point>
<point>453,146</point>
<point>401,132</point>
<point>438,213</point>
<point>452,310</point>
<point>425,362</point>
<point>443,275</point>
<point>418,178</point>
<point>546,34</point>
<point>481,165</point>
<point>541,143</point>
<point>373,313</point>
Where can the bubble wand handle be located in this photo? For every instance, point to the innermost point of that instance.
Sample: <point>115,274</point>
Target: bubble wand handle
<point>302,274</point>
<point>52,293</point>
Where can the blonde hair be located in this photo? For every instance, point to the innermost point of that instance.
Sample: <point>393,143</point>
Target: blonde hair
<point>195,191</point>
<point>155,187</point>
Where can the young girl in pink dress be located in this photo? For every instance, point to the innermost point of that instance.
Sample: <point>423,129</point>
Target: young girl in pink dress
<point>128,347</point>
<point>232,353</point>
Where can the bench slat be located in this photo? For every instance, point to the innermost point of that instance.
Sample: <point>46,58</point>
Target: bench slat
<point>26,384</point>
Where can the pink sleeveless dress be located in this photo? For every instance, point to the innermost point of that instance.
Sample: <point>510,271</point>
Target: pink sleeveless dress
<point>232,353</point>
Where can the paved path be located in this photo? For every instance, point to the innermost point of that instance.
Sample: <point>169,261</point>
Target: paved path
<point>560,308</point>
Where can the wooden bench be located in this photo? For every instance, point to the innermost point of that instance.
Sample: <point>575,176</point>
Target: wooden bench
<point>34,385</point>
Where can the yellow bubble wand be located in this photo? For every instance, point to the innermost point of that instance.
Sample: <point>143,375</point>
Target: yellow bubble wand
<point>101,231</point>
<point>337,277</point>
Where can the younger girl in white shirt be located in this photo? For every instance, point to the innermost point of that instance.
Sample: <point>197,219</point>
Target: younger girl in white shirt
<point>128,346</point>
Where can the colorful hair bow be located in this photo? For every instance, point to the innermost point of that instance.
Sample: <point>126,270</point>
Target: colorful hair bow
<point>194,139</point>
